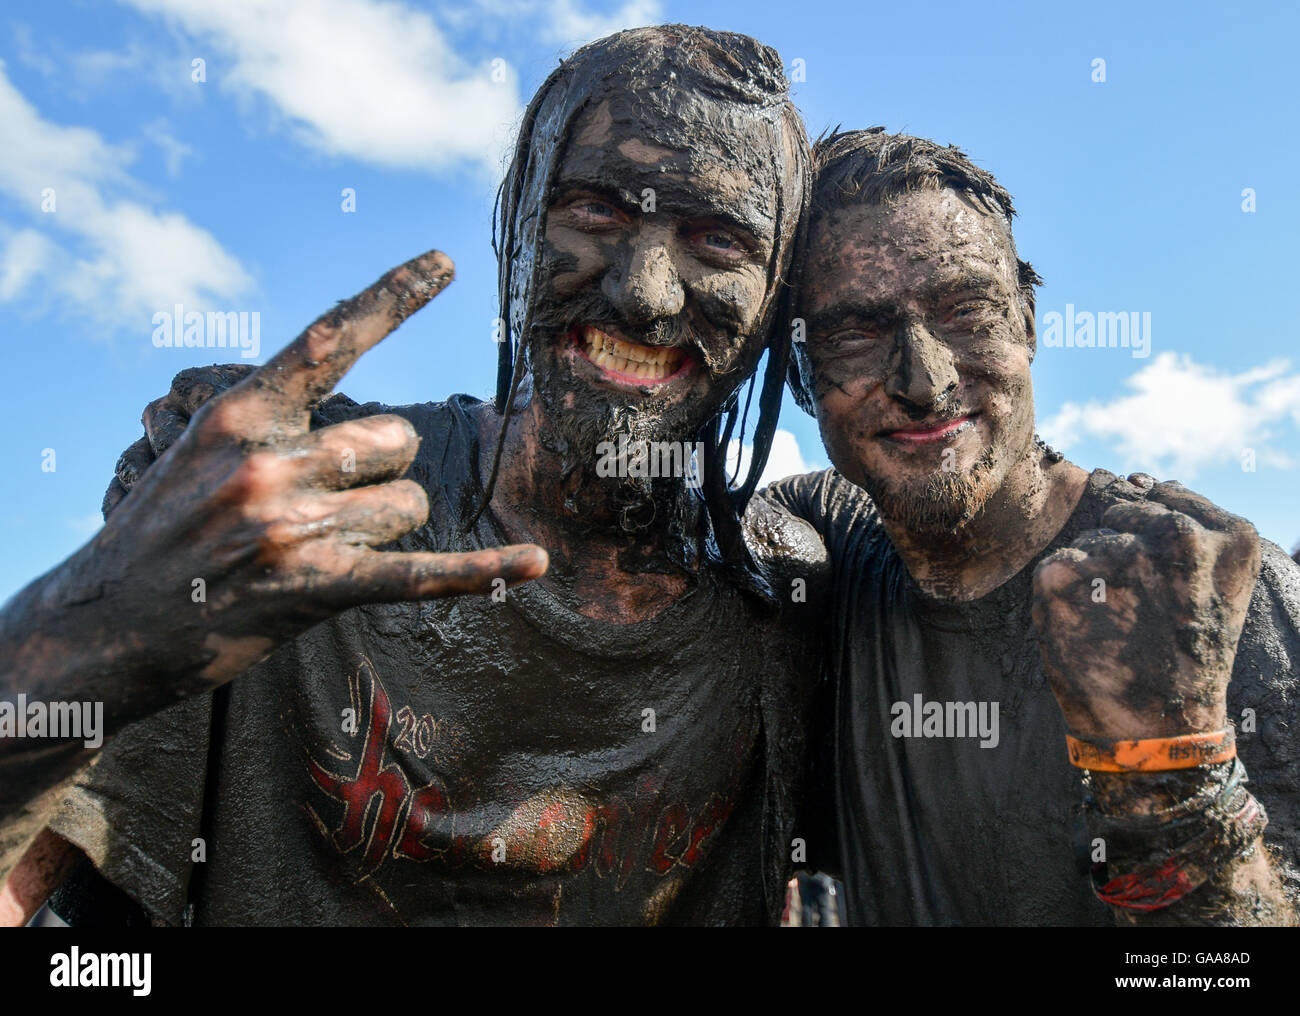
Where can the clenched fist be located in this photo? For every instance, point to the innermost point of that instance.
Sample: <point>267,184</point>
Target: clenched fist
<point>1138,621</point>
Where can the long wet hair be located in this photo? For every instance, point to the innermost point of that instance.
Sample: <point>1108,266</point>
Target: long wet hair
<point>869,167</point>
<point>655,63</point>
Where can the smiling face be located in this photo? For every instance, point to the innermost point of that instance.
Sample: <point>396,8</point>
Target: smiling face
<point>647,312</point>
<point>920,346</point>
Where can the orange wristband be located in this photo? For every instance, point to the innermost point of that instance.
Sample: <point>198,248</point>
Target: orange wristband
<point>1153,755</point>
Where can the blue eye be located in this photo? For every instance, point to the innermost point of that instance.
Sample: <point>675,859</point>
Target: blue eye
<point>594,211</point>
<point>969,307</point>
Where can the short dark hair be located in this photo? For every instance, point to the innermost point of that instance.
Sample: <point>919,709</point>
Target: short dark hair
<point>871,167</point>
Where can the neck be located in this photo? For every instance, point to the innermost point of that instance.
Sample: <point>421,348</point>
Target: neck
<point>546,493</point>
<point>1032,505</point>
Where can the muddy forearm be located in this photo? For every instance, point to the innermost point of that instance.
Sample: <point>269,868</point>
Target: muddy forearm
<point>82,654</point>
<point>80,658</point>
<point>1184,848</point>
<point>71,674</point>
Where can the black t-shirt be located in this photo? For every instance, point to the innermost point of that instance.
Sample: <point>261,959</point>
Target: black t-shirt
<point>959,830</point>
<point>477,760</point>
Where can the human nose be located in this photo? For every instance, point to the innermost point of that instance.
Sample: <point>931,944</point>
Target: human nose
<point>649,286</point>
<point>921,369</point>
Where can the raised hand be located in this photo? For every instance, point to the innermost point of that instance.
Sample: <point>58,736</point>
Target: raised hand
<point>165,419</point>
<point>275,522</point>
<point>1138,621</point>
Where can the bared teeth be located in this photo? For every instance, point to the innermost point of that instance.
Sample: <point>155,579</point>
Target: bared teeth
<point>649,363</point>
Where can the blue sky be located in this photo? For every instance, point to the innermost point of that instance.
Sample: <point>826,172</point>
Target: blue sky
<point>226,194</point>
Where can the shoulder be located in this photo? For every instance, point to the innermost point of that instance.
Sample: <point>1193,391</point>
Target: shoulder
<point>430,419</point>
<point>784,545</point>
<point>825,500</point>
<point>801,494</point>
<point>448,430</point>
<point>1270,641</point>
<point>1262,702</point>
<point>1281,574</point>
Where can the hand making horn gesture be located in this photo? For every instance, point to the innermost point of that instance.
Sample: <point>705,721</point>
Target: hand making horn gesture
<point>264,511</point>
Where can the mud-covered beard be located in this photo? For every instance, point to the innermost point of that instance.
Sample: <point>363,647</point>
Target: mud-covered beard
<point>582,421</point>
<point>937,504</point>
<point>577,434</point>
<point>654,516</point>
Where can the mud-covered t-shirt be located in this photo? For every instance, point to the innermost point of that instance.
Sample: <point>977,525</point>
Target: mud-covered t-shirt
<point>476,760</point>
<point>984,825</point>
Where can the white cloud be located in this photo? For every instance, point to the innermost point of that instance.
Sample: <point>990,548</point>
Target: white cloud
<point>97,66</point>
<point>571,25</point>
<point>29,53</point>
<point>564,22</point>
<point>83,75</point>
<point>27,254</point>
<point>1183,416</point>
<point>785,459</point>
<point>174,151</point>
<point>115,259</point>
<point>372,80</point>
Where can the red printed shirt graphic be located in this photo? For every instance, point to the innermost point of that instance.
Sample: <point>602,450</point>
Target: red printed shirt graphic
<point>475,760</point>
<point>379,804</point>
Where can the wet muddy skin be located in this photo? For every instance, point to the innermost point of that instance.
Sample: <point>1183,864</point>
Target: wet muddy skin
<point>695,275</point>
<point>920,341</point>
<point>692,275</point>
<point>956,349</point>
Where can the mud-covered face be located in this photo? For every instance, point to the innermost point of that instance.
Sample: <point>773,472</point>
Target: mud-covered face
<point>920,348</point>
<point>654,271</point>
